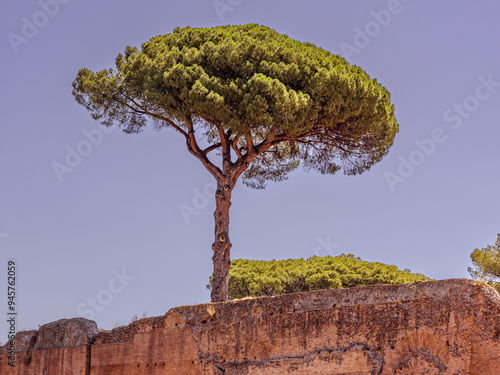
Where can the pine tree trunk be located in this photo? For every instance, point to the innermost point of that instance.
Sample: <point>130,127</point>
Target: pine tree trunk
<point>222,245</point>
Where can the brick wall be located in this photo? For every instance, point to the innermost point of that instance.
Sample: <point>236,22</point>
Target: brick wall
<point>440,327</point>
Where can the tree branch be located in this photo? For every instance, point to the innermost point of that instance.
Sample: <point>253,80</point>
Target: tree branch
<point>194,149</point>
<point>234,145</point>
<point>249,141</point>
<point>226,147</point>
<point>211,148</point>
<point>144,111</point>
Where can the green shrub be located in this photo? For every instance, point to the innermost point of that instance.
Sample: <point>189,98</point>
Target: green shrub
<point>253,278</point>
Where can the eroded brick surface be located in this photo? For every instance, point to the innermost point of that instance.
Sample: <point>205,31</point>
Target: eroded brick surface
<point>442,327</point>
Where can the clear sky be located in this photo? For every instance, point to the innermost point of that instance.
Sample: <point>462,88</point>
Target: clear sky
<point>112,231</point>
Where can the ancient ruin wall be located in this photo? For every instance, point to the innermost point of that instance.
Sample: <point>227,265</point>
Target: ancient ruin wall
<point>441,327</point>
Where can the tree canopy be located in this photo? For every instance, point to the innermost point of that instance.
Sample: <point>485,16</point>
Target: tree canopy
<point>261,88</point>
<point>263,102</point>
<point>253,278</point>
<point>486,262</point>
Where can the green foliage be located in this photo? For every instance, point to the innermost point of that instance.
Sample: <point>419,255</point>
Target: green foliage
<point>27,358</point>
<point>287,101</point>
<point>267,278</point>
<point>486,263</point>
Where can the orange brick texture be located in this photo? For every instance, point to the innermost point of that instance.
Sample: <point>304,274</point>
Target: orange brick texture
<point>440,327</point>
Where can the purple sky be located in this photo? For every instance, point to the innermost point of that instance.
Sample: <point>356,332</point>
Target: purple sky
<point>108,239</point>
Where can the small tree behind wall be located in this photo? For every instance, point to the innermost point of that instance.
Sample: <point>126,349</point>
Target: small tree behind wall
<point>266,102</point>
<point>486,263</point>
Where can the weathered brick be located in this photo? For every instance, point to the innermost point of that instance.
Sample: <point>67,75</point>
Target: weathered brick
<point>441,327</point>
